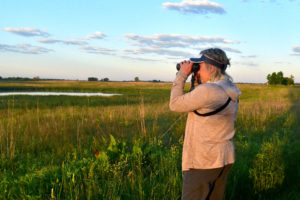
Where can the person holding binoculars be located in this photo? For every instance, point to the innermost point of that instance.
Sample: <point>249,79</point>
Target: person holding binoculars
<point>208,151</point>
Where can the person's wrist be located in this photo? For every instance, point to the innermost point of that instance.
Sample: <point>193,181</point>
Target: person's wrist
<point>186,73</point>
<point>183,74</point>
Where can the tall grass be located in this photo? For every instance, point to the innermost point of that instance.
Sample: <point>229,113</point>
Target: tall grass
<point>130,148</point>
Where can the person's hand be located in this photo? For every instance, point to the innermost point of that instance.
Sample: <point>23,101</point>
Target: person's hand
<point>186,67</point>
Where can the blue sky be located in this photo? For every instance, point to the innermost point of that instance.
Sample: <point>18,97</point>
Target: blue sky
<point>124,39</point>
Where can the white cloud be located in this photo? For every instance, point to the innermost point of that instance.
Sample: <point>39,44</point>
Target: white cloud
<point>96,35</point>
<point>175,40</point>
<point>24,48</point>
<point>98,50</point>
<point>159,51</point>
<point>195,6</point>
<point>49,41</point>
<point>296,51</point>
<point>282,62</point>
<point>249,56</point>
<point>74,42</point>
<point>67,42</point>
<point>246,63</point>
<point>233,50</point>
<point>158,40</point>
<point>80,42</point>
<point>27,32</point>
<point>139,59</point>
<point>107,51</point>
<point>295,54</point>
<point>229,49</point>
<point>160,44</point>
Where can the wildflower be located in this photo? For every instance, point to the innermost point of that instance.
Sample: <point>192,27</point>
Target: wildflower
<point>73,178</point>
<point>52,194</point>
<point>96,153</point>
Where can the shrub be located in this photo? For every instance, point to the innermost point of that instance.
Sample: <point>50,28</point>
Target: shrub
<point>268,169</point>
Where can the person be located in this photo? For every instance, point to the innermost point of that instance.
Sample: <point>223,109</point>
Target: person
<point>208,151</point>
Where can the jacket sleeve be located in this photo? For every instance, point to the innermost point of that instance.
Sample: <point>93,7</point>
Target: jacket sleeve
<point>203,96</point>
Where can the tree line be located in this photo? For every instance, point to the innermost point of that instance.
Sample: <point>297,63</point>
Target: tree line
<point>136,79</point>
<point>36,78</point>
<point>278,78</point>
<point>96,79</point>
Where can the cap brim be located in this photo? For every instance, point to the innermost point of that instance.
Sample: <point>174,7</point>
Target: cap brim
<point>197,60</point>
<point>208,60</point>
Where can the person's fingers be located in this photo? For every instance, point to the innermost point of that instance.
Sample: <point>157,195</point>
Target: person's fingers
<point>185,62</point>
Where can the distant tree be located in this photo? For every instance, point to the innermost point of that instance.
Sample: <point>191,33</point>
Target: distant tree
<point>278,78</point>
<point>0,77</point>
<point>291,80</point>
<point>136,79</point>
<point>18,79</point>
<point>284,81</point>
<point>36,78</point>
<point>105,79</point>
<point>156,81</point>
<point>92,79</point>
<point>272,78</point>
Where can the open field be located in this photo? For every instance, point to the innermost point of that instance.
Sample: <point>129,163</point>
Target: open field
<point>129,146</point>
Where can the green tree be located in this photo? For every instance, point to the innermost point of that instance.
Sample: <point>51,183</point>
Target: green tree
<point>92,79</point>
<point>278,78</point>
<point>105,79</point>
<point>272,78</point>
<point>284,81</point>
<point>291,80</point>
<point>136,79</point>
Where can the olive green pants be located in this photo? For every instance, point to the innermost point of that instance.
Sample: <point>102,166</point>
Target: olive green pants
<point>205,184</point>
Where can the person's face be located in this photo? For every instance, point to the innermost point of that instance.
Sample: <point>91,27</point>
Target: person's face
<point>204,73</point>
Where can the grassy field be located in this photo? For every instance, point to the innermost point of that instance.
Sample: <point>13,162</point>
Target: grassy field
<point>129,146</point>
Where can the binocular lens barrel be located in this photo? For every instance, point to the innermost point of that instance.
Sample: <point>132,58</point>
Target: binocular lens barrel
<point>178,66</point>
<point>195,67</point>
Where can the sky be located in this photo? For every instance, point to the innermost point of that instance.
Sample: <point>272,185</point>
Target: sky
<point>76,39</point>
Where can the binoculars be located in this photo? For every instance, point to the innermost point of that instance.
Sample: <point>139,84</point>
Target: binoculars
<point>195,67</point>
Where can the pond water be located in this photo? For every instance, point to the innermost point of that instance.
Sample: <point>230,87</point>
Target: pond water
<point>57,94</point>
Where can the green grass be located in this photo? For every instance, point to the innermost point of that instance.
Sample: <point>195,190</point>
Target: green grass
<point>47,143</point>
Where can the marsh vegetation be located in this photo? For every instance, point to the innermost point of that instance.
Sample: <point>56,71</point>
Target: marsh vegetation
<point>129,146</point>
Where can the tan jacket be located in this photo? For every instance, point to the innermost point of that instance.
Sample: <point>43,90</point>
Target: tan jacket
<point>208,140</point>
